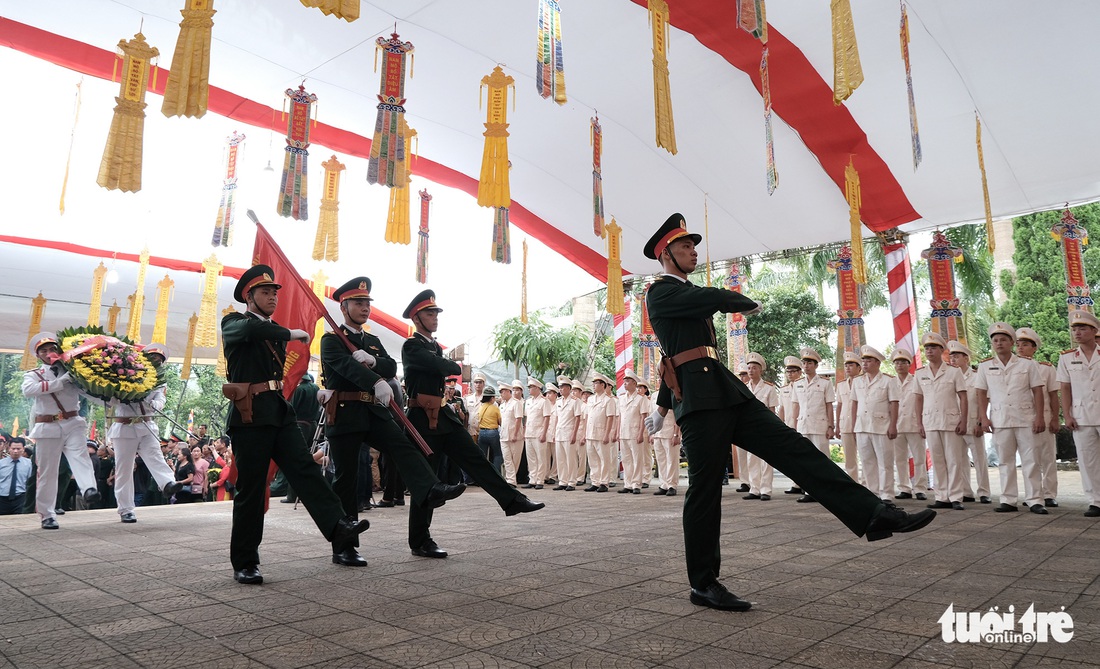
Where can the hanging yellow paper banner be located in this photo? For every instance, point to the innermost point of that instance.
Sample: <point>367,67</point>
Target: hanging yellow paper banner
<point>318,281</point>
<point>188,85</point>
<point>662,92</point>
<point>133,331</point>
<point>164,296</point>
<point>847,71</point>
<point>96,304</point>
<point>206,335</point>
<point>614,269</point>
<point>112,316</point>
<point>38,307</point>
<point>855,200</point>
<point>120,168</point>
<point>991,242</point>
<point>326,245</point>
<point>189,351</point>
<point>493,189</point>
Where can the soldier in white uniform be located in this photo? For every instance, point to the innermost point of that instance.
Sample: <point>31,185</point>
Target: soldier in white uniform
<point>760,473</point>
<point>740,455</point>
<point>844,418</point>
<point>601,434</point>
<point>874,400</point>
<point>473,402</point>
<point>511,429</point>
<point>666,449</point>
<point>813,407</point>
<point>941,413</point>
<point>909,443</point>
<point>132,433</point>
<point>568,412</point>
<point>633,408</point>
<point>552,396</point>
<point>57,427</point>
<point>538,411</point>
<point>792,367</point>
<point>582,394</point>
<point>974,437</point>
<point>1079,377</point>
<point>1009,388</point>
<point>1046,444</point>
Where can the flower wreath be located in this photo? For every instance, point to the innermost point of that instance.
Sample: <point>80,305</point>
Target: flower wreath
<point>107,366</point>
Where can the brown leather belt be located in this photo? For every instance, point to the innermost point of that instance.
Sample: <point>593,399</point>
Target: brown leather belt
<point>668,366</point>
<point>55,417</point>
<point>264,386</point>
<point>353,396</point>
<point>133,420</point>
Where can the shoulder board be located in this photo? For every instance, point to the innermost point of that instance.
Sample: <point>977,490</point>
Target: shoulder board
<point>770,383</point>
<point>1044,362</point>
<point>985,360</point>
<point>1068,350</point>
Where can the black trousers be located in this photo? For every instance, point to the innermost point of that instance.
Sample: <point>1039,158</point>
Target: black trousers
<point>461,449</point>
<point>10,506</point>
<point>707,436</point>
<point>254,449</point>
<point>388,439</point>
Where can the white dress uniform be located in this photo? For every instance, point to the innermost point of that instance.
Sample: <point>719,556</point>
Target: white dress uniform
<point>582,440</point>
<point>787,401</point>
<point>666,449</point>
<point>909,443</point>
<point>873,395</point>
<point>1046,444</point>
<point>941,413</point>
<point>1081,377</point>
<point>761,474</point>
<point>845,428</point>
<point>569,413</point>
<point>633,408</point>
<point>974,444</point>
<point>538,410</point>
<point>1009,388</point>
<point>600,455</point>
<point>511,445</point>
<point>815,397</point>
<point>57,428</point>
<point>133,433</point>
<point>551,461</point>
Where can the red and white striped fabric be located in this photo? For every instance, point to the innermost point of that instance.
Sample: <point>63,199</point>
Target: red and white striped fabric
<point>903,304</point>
<point>624,343</point>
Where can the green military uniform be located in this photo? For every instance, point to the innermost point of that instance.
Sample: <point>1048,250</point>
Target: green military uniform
<point>717,409</point>
<point>306,407</point>
<point>255,352</point>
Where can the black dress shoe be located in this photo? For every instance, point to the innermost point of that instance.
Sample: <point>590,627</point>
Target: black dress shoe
<point>1039,509</point>
<point>538,486</point>
<point>672,492</point>
<point>1006,508</point>
<point>1050,502</point>
<point>171,488</point>
<point>725,481</point>
<point>60,512</point>
<point>349,557</point>
<point>765,498</point>
<point>904,495</point>
<point>385,504</point>
<point>522,504</point>
<point>612,484</point>
<point>794,490</point>
<point>400,501</point>
<point>429,549</point>
<point>528,485</point>
<point>921,496</point>
<point>91,496</point>
<point>716,596</point>
<point>805,499</point>
<point>441,492</point>
<point>559,487</point>
<point>343,537</point>
<point>968,498</point>
<point>248,576</point>
<point>287,500</point>
<point>625,491</point>
<point>50,524</point>
<point>751,495</point>
<point>744,487</point>
<point>592,488</point>
<point>939,505</point>
<point>1092,512</point>
<point>889,519</point>
<point>602,488</point>
<point>129,517</point>
<point>550,481</point>
<point>569,488</point>
<point>985,500</point>
<point>661,491</point>
<point>637,491</point>
<point>645,485</point>
<point>958,506</point>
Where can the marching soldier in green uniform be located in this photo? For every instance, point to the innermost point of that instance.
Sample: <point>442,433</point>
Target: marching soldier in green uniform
<point>264,428</point>
<point>357,412</point>
<point>714,409</point>
<point>425,369</point>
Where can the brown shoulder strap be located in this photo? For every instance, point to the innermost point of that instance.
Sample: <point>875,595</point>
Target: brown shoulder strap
<point>56,401</point>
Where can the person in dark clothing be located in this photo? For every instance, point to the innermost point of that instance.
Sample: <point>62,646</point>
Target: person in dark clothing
<point>308,409</point>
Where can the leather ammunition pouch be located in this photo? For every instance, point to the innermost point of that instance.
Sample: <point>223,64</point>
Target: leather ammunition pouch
<point>241,395</point>
<point>431,404</point>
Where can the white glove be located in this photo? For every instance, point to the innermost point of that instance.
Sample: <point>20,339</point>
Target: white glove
<point>363,358</point>
<point>398,392</point>
<point>755,310</point>
<point>382,392</point>
<point>300,335</point>
<point>324,395</point>
<point>653,422</point>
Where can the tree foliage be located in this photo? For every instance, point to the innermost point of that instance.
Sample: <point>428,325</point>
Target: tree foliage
<point>539,348</point>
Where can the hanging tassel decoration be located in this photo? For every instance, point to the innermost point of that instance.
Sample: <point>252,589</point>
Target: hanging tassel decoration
<point>130,313</point>
<point>120,168</point>
<point>206,334</point>
<point>227,209</point>
<point>292,191</point>
<point>188,85</point>
<point>855,200</point>
<point>387,150</point>
<point>550,69</point>
<point>138,305</point>
<point>596,138</point>
<point>341,9</point>
<point>326,245</point>
<point>189,350</point>
<point>991,241</point>
<point>769,138</point>
<point>422,244</point>
<point>96,303</point>
<point>502,248</point>
<point>318,282</point>
<point>69,155</point>
<point>523,285</point>
<point>397,217</point>
<point>493,189</point>
<point>112,316</point>
<point>221,367</point>
<point>751,18</point>
<point>164,296</point>
<point>662,94</point>
<point>38,308</point>
<point>614,269</point>
<point>914,133</point>
<point>847,71</point>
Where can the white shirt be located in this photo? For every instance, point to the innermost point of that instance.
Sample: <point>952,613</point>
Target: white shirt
<point>155,400</point>
<point>811,396</point>
<point>569,411</point>
<point>40,384</point>
<point>874,394</point>
<point>844,397</point>
<point>940,391</point>
<point>599,408</point>
<point>1009,388</point>
<point>1083,377</point>
<point>765,392</point>
<point>538,411</point>
<point>907,404</point>
<point>632,409</point>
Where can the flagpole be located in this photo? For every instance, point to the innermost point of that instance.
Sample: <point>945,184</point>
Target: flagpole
<point>394,409</point>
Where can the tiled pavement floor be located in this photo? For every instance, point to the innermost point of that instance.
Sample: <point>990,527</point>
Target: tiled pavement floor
<point>593,580</point>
